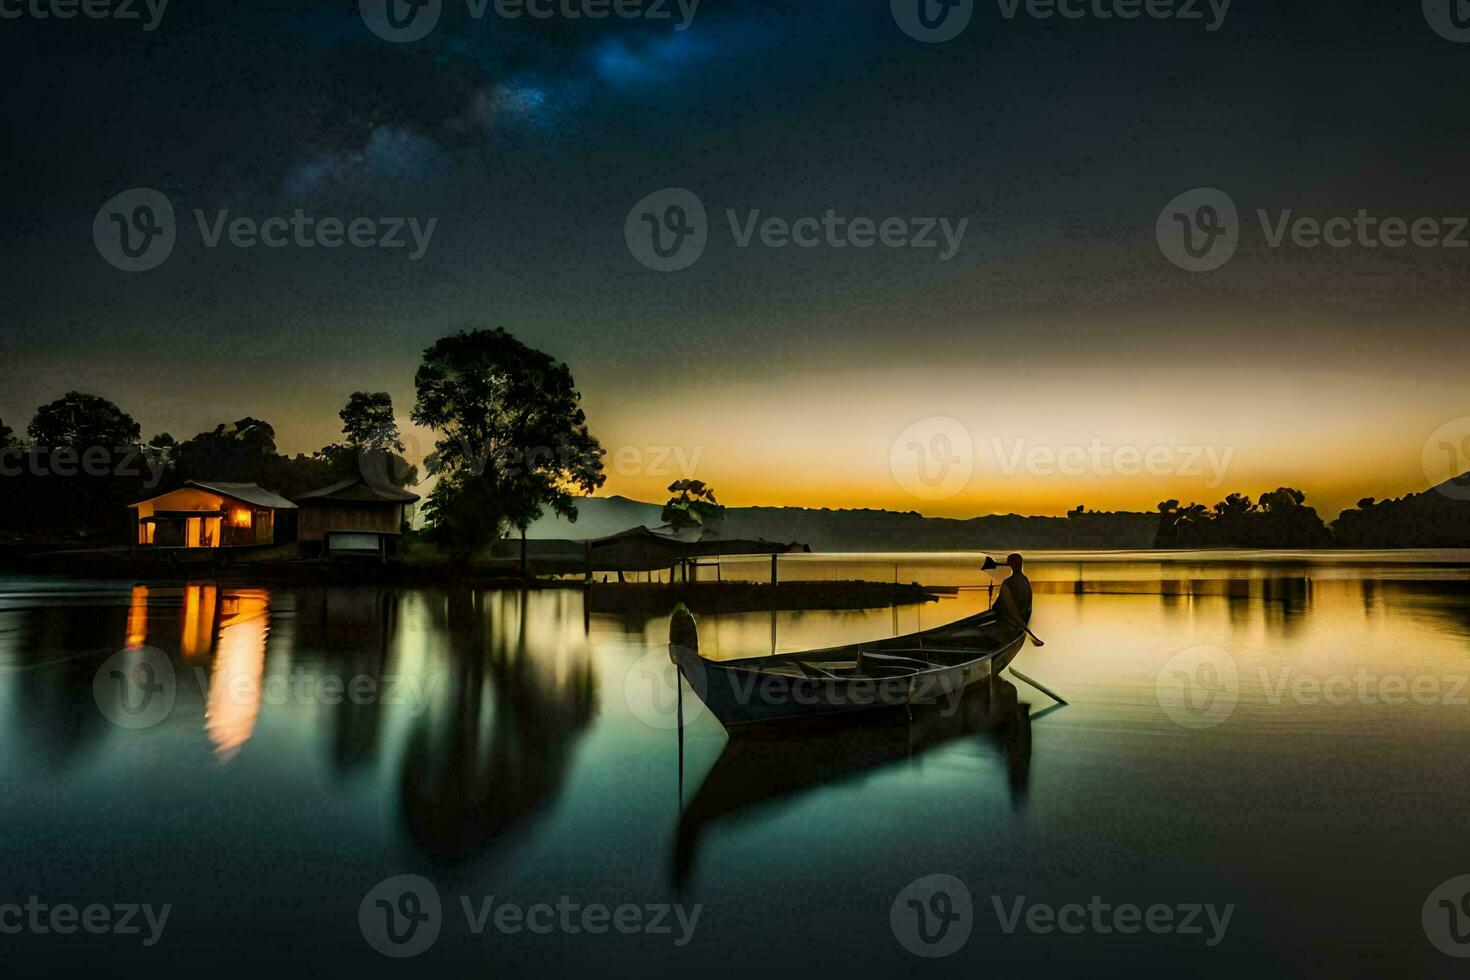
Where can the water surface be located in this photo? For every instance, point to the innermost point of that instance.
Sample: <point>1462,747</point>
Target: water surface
<point>1285,735</point>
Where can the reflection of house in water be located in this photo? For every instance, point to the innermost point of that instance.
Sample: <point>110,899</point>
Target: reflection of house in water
<point>235,684</point>
<point>137,618</point>
<point>209,515</point>
<point>196,626</point>
<point>494,752</point>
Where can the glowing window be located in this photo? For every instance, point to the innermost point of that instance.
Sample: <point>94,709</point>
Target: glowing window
<point>240,517</point>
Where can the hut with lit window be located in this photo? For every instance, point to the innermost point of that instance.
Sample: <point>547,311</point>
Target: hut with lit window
<point>210,515</point>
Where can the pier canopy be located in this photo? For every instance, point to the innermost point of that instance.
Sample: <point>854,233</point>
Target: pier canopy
<point>640,549</point>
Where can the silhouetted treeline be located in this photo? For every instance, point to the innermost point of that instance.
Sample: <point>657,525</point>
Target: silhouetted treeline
<point>1436,518</point>
<point>1279,519</point>
<point>71,482</point>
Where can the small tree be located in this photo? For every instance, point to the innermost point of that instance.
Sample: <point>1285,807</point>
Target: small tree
<point>165,447</point>
<point>1282,499</point>
<point>693,505</point>
<point>6,435</point>
<point>82,420</point>
<point>1234,504</point>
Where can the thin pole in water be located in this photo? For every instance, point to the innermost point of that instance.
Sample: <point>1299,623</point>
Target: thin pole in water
<point>679,700</point>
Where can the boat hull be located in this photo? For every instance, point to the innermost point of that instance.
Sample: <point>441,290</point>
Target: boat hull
<point>742,693</point>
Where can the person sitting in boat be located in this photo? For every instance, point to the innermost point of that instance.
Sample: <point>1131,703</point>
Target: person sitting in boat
<point>1013,605</point>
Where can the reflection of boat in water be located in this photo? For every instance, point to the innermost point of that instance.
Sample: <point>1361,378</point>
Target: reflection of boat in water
<point>928,667</point>
<point>763,765</point>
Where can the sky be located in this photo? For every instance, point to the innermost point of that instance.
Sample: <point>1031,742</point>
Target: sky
<point>1049,353</point>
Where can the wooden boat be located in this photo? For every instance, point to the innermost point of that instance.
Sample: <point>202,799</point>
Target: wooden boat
<point>932,666</point>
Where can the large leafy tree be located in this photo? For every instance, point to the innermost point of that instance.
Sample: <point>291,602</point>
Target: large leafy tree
<point>512,437</point>
<point>81,420</point>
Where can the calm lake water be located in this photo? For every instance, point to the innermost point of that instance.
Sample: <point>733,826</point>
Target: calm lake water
<point>1281,745</point>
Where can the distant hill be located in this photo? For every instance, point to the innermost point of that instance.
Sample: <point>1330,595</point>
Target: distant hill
<point>598,517</point>
<point>1437,518</point>
<point>875,530</point>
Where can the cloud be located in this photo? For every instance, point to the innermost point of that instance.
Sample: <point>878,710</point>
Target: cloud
<point>631,59</point>
<point>391,153</point>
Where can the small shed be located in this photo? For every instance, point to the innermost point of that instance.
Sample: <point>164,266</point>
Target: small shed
<point>209,515</point>
<point>359,516</point>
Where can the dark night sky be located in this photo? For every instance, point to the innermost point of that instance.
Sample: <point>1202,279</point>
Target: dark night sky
<point>790,371</point>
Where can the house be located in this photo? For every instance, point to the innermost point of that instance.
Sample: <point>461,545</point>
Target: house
<point>209,515</point>
<point>360,516</point>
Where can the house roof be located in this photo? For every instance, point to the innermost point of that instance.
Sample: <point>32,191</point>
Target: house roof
<point>361,489</point>
<point>246,492</point>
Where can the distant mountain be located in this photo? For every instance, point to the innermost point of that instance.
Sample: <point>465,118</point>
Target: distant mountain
<point>598,517</point>
<point>874,530</point>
